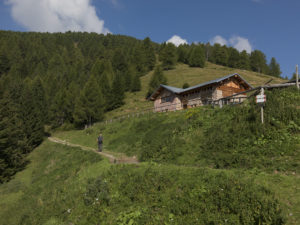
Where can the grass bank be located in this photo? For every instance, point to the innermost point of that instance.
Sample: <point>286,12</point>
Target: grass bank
<point>66,185</point>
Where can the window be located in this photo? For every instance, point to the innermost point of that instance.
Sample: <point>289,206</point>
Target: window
<point>166,99</point>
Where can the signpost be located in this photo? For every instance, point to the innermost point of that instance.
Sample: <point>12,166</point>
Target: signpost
<point>261,99</point>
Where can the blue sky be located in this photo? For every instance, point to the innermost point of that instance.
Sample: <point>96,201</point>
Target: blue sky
<point>271,26</point>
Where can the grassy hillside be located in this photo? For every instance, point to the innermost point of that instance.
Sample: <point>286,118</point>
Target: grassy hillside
<point>65,185</point>
<point>185,74</point>
<point>231,138</point>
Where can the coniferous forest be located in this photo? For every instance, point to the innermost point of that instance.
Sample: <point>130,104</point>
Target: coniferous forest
<point>49,80</point>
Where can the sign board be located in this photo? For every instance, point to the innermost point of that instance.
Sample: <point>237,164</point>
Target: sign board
<point>260,98</point>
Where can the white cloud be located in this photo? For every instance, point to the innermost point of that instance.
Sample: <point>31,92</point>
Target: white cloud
<point>240,43</point>
<point>218,40</point>
<point>176,40</point>
<point>57,15</point>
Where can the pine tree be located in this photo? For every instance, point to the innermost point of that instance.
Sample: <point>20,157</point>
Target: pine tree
<point>183,53</point>
<point>135,84</point>
<point>208,52</point>
<point>234,57</point>
<point>89,106</point>
<point>119,61</point>
<point>168,56</point>
<point>139,60</point>
<point>258,62</point>
<point>274,68</point>
<point>4,64</point>
<point>33,121</point>
<point>117,93</point>
<point>105,75</point>
<point>39,99</point>
<point>197,57</point>
<point>244,61</point>
<point>11,139</point>
<point>149,54</point>
<point>156,79</point>
<point>221,55</point>
<point>61,108</point>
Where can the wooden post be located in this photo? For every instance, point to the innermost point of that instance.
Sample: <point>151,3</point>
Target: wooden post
<point>297,77</point>
<point>221,103</point>
<point>262,107</point>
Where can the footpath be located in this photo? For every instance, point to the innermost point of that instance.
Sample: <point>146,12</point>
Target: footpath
<point>112,159</point>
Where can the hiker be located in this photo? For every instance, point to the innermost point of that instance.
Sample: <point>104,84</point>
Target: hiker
<point>100,142</point>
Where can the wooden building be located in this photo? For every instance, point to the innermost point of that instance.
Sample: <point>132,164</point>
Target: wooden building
<point>167,98</point>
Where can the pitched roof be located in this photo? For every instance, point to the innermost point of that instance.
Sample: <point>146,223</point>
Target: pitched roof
<point>180,90</point>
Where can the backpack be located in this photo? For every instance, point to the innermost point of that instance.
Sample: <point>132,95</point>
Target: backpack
<point>100,140</point>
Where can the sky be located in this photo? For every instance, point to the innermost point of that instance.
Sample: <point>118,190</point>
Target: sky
<point>271,26</point>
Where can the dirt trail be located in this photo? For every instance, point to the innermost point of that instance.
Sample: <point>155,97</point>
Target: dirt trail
<point>113,159</point>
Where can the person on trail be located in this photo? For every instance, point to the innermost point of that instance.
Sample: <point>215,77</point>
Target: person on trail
<point>100,142</point>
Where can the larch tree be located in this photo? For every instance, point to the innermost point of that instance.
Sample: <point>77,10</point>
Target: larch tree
<point>89,106</point>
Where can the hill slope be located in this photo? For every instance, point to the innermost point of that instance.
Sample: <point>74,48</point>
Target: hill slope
<point>66,185</point>
<point>184,74</point>
<point>231,138</point>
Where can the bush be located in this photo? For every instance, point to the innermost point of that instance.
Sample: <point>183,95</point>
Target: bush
<point>231,137</point>
<point>185,85</point>
<point>166,195</point>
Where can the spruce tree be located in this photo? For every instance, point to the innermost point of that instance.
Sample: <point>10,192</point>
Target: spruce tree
<point>244,61</point>
<point>149,54</point>
<point>4,64</point>
<point>258,62</point>
<point>168,56</point>
<point>156,79</point>
<point>183,53</point>
<point>234,57</point>
<point>39,99</point>
<point>139,60</point>
<point>136,83</point>
<point>197,57</point>
<point>119,61</point>
<point>33,120</point>
<point>274,68</point>
<point>12,144</point>
<point>221,55</point>
<point>117,93</point>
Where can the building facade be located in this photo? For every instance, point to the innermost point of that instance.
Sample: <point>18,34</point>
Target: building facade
<point>167,98</point>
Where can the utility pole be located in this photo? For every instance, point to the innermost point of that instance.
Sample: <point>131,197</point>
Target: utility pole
<point>297,77</point>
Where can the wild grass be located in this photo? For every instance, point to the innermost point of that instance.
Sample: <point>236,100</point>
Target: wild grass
<point>66,185</point>
<point>231,138</point>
